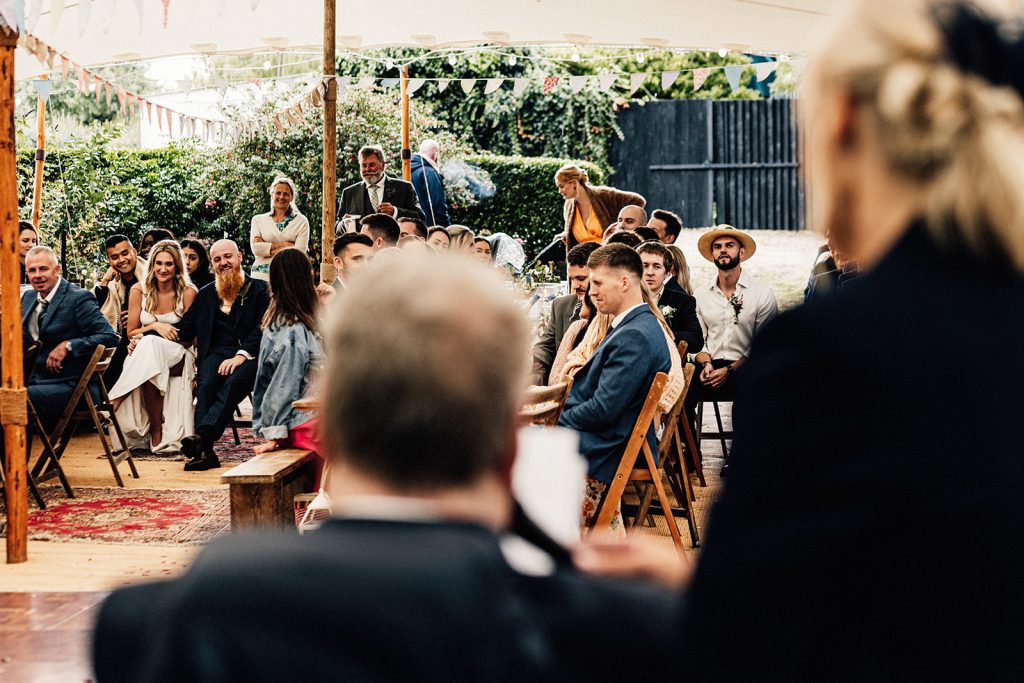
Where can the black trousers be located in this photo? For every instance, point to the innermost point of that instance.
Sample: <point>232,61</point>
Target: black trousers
<point>698,392</point>
<point>219,395</point>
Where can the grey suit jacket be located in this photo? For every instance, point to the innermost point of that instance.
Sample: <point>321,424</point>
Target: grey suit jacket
<point>546,348</point>
<point>355,199</point>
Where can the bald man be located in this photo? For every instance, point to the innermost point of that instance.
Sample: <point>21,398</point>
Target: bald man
<point>429,185</point>
<point>224,321</point>
<point>632,217</point>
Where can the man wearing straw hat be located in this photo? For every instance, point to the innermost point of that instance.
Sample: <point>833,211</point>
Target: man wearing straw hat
<point>731,310</point>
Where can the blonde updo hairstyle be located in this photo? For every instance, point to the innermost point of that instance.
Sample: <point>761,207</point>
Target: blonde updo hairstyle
<point>569,173</point>
<point>951,133</point>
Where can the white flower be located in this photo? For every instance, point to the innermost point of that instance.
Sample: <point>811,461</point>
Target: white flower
<point>667,311</point>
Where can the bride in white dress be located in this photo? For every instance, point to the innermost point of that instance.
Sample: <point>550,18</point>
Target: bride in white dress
<point>153,396</point>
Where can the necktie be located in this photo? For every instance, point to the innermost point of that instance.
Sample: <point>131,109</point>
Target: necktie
<point>33,326</point>
<point>374,196</point>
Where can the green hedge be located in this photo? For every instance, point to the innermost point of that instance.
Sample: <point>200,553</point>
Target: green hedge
<point>526,203</point>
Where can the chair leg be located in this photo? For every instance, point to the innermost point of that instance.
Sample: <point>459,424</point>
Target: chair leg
<point>693,450</point>
<point>123,453</point>
<point>104,438</point>
<point>721,431</point>
<point>49,458</point>
<point>687,495</point>
<point>666,507</point>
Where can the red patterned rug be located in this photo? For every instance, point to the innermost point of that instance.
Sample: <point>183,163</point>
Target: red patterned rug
<point>132,516</point>
<point>227,450</point>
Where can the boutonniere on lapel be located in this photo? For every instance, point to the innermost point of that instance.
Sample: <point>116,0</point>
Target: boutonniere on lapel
<point>737,305</point>
<point>244,292</point>
<point>667,312</point>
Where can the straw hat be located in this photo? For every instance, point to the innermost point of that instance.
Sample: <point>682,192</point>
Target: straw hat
<point>704,243</point>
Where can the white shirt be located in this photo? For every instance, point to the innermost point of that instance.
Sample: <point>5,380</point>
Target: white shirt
<point>380,194</point>
<point>728,332</point>
<point>618,319</point>
<point>33,326</point>
<point>264,227</point>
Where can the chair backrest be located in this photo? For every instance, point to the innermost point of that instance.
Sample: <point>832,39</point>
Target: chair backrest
<point>543,405</point>
<point>104,362</point>
<point>683,347</point>
<point>671,420</point>
<point>29,357</point>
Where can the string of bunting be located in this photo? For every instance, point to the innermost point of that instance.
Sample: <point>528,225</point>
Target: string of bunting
<point>130,103</point>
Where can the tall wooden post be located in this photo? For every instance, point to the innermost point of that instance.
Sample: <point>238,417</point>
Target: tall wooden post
<point>12,387</point>
<point>406,152</point>
<point>37,190</point>
<point>330,166</point>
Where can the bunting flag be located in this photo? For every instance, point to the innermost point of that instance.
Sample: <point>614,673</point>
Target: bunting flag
<point>166,4</point>
<point>98,86</point>
<point>519,86</point>
<point>699,76</point>
<point>84,9</point>
<point>733,73</point>
<point>365,82</point>
<point>316,97</point>
<point>577,83</point>
<point>149,112</point>
<point>389,82</point>
<point>342,84</point>
<point>668,79</point>
<point>65,67</point>
<point>120,97</point>
<point>635,81</point>
<point>442,84</point>
<point>765,69</point>
<point>606,81</point>
<point>110,92</point>
<point>291,117</point>
<point>43,86</point>
<point>467,84</point>
<point>414,84</point>
<point>492,84</point>
<point>550,83</point>
<point>167,115</point>
<point>278,125</point>
<point>160,118</point>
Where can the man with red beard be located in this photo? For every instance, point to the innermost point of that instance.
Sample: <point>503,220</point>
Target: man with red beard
<point>225,323</point>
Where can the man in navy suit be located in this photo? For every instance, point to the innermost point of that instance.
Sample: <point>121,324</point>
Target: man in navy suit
<point>378,192</point>
<point>225,323</point>
<point>609,391</point>
<point>67,321</point>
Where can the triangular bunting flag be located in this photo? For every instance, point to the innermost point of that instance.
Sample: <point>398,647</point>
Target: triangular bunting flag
<point>699,76</point>
<point>442,84</point>
<point>366,82</point>
<point>43,86</point>
<point>342,86</point>
<point>467,84</point>
<point>19,15</point>
<point>291,117</point>
<point>56,10</point>
<point>8,15</point>
<point>110,91</point>
<point>167,115</point>
<point>278,124</point>
<point>519,86</point>
<point>576,83</point>
<point>160,118</point>
<point>315,97</point>
<point>492,84</point>
<point>733,73</point>
<point>166,4</point>
<point>765,69</point>
<point>414,84</point>
<point>635,81</point>
<point>51,56</point>
<point>82,75</point>
<point>84,9</point>
<point>65,67</point>
<point>149,112</point>
<point>550,83</point>
<point>99,87</point>
<point>668,79</point>
<point>389,82</point>
<point>606,81</point>
<point>121,95</point>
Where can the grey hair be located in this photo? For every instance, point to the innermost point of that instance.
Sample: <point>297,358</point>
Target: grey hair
<point>375,150</point>
<point>422,392</point>
<point>280,179</point>
<point>42,249</point>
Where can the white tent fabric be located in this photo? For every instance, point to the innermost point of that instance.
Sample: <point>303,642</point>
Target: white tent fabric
<point>96,32</point>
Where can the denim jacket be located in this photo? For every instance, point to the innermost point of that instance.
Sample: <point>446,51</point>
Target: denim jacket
<point>287,357</point>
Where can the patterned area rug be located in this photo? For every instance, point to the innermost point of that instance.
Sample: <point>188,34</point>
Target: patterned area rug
<point>132,516</point>
<point>227,450</point>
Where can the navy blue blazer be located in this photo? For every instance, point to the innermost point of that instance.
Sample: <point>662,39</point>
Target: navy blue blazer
<point>247,314</point>
<point>871,524</point>
<point>609,391</point>
<point>430,191</point>
<point>72,316</point>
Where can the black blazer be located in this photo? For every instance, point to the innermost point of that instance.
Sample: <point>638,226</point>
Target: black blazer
<point>368,600</point>
<point>683,318</point>
<point>546,348</point>
<point>356,200</point>
<point>247,314</point>
<point>872,521</point>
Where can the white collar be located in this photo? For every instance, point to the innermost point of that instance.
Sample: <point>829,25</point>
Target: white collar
<point>53,292</point>
<point>619,318</point>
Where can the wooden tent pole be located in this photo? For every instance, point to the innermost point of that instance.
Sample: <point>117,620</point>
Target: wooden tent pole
<point>12,389</point>
<point>406,152</point>
<point>37,190</point>
<point>330,165</point>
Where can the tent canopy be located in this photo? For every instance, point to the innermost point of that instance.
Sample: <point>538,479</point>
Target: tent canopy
<point>110,31</point>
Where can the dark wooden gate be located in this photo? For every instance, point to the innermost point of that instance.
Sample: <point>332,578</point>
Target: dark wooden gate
<point>733,161</point>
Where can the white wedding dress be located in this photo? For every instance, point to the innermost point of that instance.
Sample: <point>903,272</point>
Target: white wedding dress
<point>151,361</point>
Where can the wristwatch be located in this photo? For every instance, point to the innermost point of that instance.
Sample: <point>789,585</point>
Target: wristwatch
<point>67,345</point>
<point>730,369</point>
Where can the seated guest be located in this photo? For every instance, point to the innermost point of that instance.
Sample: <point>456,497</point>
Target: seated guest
<point>667,224</point>
<point>678,308</point>
<point>628,238</point>
<point>563,311</point>
<point>283,227</point>
<point>421,575</point>
<point>482,249</point>
<point>411,242</point>
<point>28,237</point>
<point>224,322</point>
<point>609,391</point>
<point>631,217</point>
<point>413,227</point>
<point>383,230</point>
<point>197,260</point>
<point>153,397</point>
<point>66,320</point>
<point>150,238</point>
<point>573,336</point>
<point>831,271</point>
<point>290,353</point>
<point>588,209</point>
<point>679,276</point>
<point>461,239</point>
<point>646,234</point>
<point>352,251</point>
<point>438,238</point>
<point>126,269</point>
<point>378,192</point>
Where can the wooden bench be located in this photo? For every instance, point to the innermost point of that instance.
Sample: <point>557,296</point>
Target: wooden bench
<point>262,489</point>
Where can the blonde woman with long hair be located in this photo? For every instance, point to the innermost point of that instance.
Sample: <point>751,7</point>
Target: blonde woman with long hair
<point>589,209</point>
<point>153,396</point>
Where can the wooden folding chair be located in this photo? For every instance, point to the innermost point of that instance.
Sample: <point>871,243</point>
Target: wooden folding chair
<point>104,418</point>
<point>30,356</point>
<point>543,405</point>
<point>627,470</point>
